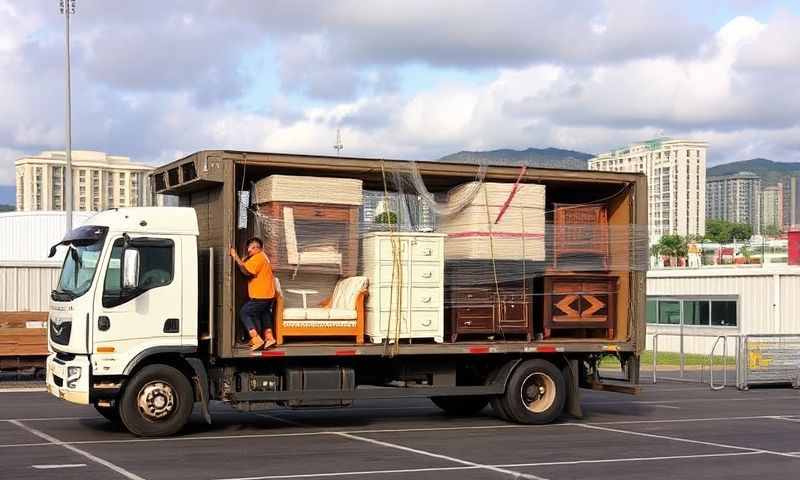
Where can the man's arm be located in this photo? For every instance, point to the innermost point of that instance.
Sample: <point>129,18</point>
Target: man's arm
<point>240,263</point>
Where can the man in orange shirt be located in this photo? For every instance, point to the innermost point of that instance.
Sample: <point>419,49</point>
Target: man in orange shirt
<point>255,314</point>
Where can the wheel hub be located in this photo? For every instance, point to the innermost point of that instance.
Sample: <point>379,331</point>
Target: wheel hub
<point>156,400</point>
<point>538,392</point>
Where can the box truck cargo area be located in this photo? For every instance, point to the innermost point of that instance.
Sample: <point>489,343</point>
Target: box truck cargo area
<point>468,284</point>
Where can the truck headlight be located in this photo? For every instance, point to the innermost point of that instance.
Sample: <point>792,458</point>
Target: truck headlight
<point>73,375</point>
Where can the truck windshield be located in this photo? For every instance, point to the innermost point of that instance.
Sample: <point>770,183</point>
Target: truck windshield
<point>78,271</point>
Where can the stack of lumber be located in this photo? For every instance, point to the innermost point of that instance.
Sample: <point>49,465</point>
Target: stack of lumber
<point>23,334</point>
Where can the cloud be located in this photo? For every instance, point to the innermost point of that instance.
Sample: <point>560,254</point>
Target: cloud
<point>158,80</point>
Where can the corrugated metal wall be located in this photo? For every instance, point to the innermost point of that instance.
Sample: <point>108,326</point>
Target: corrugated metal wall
<point>29,235</point>
<point>27,287</point>
<point>768,302</point>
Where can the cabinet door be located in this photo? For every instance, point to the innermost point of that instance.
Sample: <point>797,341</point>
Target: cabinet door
<point>514,311</point>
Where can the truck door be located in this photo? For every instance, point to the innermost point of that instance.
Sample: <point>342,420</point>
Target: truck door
<point>129,320</point>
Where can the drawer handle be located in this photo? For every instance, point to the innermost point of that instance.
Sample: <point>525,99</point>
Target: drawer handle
<point>427,252</point>
<point>468,323</point>
<point>427,323</point>
<point>426,300</point>
<point>427,275</point>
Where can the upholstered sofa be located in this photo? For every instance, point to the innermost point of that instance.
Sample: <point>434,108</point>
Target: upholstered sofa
<point>340,315</point>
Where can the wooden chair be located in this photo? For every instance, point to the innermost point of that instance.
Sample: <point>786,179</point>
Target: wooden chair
<point>341,315</point>
<point>313,255</point>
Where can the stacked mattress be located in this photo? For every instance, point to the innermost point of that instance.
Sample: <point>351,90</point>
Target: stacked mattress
<point>501,222</point>
<point>303,189</point>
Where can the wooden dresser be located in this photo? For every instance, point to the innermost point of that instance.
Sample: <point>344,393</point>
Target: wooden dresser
<point>408,288</point>
<point>580,231</point>
<point>481,310</point>
<point>580,301</point>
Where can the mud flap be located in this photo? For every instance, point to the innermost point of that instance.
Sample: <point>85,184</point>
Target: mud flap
<point>201,384</point>
<point>571,374</point>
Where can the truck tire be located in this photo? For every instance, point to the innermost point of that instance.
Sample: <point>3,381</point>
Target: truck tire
<point>499,409</point>
<point>535,393</point>
<point>110,413</point>
<point>461,406</point>
<point>156,402</point>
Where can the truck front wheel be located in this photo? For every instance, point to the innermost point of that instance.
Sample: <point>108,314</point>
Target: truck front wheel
<point>535,393</point>
<point>157,402</point>
<point>461,406</point>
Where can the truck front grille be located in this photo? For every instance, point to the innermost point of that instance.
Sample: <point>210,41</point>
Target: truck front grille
<point>60,332</point>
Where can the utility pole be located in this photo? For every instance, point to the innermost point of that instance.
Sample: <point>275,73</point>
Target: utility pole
<point>67,8</point>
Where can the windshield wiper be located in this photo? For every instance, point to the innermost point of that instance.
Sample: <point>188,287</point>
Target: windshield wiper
<point>62,295</point>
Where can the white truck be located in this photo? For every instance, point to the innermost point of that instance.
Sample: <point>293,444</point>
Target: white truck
<point>143,322</point>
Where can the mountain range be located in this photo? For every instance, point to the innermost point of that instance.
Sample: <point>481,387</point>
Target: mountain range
<point>771,172</point>
<point>534,157</point>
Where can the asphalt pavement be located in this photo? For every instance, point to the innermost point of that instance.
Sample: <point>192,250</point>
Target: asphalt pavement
<point>671,430</point>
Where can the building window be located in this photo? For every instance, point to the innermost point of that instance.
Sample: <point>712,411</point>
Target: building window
<point>693,311</point>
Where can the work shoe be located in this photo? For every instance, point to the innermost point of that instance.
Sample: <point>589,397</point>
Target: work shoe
<point>269,343</point>
<point>256,343</point>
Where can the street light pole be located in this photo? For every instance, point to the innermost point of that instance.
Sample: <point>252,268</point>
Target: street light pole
<point>67,8</point>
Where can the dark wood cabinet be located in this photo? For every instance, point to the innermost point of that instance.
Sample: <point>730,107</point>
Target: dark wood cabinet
<point>484,310</point>
<point>580,231</point>
<point>580,301</point>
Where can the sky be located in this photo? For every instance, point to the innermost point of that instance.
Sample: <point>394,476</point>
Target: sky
<point>415,79</point>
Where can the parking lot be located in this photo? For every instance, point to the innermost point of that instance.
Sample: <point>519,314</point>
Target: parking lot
<point>672,430</point>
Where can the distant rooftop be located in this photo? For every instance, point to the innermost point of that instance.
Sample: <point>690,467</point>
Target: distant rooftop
<point>85,157</point>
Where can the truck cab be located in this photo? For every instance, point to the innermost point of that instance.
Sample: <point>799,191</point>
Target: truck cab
<point>127,293</point>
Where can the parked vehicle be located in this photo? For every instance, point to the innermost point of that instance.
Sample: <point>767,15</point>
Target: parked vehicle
<point>144,324</point>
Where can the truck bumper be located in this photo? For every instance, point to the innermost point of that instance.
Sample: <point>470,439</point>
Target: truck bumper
<point>69,380</point>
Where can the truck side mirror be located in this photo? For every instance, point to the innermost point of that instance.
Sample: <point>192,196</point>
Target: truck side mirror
<point>130,274</point>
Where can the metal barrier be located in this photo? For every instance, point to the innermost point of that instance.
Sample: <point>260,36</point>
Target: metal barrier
<point>768,359</point>
<point>711,355</point>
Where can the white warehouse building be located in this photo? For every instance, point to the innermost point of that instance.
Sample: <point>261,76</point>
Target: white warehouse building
<point>707,302</point>
<point>26,274</point>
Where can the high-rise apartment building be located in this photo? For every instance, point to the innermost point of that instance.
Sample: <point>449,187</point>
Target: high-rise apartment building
<point>772,206</point>
<point>791,202</point>
<point>676,182</point>
<point>99,181</point>
<point>735,198</point>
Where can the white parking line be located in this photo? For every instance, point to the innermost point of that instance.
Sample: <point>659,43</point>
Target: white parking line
<point>632,459</point>
<point>385,430</point>
<point>683,400</point>
<point>502,466</point>
<point>355,473</point>
<point>685,440</point>
<point>665,406</point>
<point>467,463</point>
<point>22,390</point>
<point>58,467</point>
<point>55,441</point>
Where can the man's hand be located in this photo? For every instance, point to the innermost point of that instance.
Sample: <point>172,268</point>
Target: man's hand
<point>233,253</point>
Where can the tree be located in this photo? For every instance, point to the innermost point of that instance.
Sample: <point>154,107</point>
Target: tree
<point>741,231</point>
<point>722,231</point>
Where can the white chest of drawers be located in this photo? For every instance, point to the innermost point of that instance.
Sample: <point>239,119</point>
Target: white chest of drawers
<point>406,290</point>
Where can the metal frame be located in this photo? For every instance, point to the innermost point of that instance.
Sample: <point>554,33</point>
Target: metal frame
<point>711,355</point>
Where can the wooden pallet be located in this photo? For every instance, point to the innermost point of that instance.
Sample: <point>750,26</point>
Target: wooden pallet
<point>17,339</point>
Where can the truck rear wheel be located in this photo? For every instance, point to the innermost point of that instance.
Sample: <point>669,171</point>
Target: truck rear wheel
<point>110,413</point>
<point>461,406</point>
<point>157,402</point>
<point>535,394</point>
